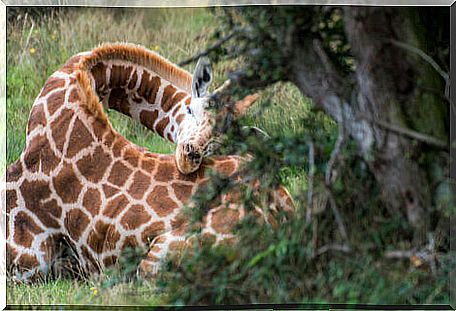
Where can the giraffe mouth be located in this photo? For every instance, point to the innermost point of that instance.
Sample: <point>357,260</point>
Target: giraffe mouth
<point>188,158</point>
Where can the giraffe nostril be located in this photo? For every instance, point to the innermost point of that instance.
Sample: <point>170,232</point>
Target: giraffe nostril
<point>194,156</point>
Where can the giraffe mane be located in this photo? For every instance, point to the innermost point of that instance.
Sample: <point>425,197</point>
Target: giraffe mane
<point>131,53</point>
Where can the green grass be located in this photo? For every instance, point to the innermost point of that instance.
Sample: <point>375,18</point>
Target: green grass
<point>82,293</point>
<point>36,49</point>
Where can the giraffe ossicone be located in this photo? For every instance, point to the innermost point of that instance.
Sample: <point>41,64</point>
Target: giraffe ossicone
<point>81,185</point>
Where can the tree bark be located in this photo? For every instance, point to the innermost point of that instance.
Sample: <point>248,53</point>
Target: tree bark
<point>381,88</point>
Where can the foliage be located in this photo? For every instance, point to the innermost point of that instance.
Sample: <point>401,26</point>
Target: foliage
<point>308,259</point>
<point>303,260</point>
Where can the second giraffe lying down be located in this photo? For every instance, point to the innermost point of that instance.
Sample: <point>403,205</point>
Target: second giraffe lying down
<point>81,182</point>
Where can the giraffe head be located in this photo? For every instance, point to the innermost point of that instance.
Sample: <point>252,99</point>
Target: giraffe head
<point>195,138</point>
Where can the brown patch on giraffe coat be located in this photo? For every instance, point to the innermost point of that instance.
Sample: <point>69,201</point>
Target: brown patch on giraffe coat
<point>148,87</point>
<point>208,238</point>
<point>76,222</point>
<point>148,118</point>
<point>115,206</point>
<point>179,118</point>
<point>40,155</point>
<point>70,65</point>
<point>59,127</point>
<point>110,261</point>
<point>130,242</point>
<point>67,184</point>
<point>109,191</point>
<point>148,165</point>
<point>11,200</point>
<point>119,76</point>
<point>119,174</point>
<point>11,203</point>
<point>134,78</point>
<point>170,137</point>
<point>93,264</point>
<point>50,246</point>
<point>179,220</point>
<point>166,172</point>
<point>193,177</point>
<point>177,98</point>
<point>183,192</point>
<point>93,166</point>
<point>52,84</point>
<point>36,118</point>
<point>143,86</point>
<point>80,138</point>
<point>224,219</point>
<point>14,172</point>
<point>103,237</point>
<point>167,98</point>
<point>188,101</point>
<point>33,193</point>
<point>99,75</point>
<point>74,96</point>
<point>118,100</point>
<point>27,262</point>
<point>134,217</point>
<point>139,186</point>
<point>234,196</point>
<point>154,85</point>
<point>226,168</point>
<point>160,201</point>
<point>150,232</point>
<point>25,229</point>
<point>131,155</point>
<point>161,125</point>
<point>55,101</point>
<point>99,128</point>
<point>11,254</point>
<point>92,201</point>
<point>177,246</point>
<point>119,144</point>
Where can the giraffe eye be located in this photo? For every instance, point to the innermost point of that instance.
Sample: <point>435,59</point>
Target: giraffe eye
<point>189,110</point>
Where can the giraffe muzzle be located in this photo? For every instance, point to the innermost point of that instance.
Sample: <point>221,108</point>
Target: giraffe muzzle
<point>188,158</point>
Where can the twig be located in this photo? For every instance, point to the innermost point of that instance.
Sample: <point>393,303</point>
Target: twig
<point>328,173</point>
<point>335,153</point>
<point>424,56</point>
<point>310,187</point>
<point>399,254</point>
<point>337,216</point>
<point>431,62</point>
<point>206,52</point>
<point>333,247</point>
<point>427,139</point>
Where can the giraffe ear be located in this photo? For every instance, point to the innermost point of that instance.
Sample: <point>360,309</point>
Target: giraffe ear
<point>202,77</point>
<point>241,106</point>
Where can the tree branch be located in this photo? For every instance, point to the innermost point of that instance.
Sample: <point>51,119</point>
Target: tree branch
<point>427,139</point>
<point>332,247</point>
<point>215,46</point>
<point>310,187</point>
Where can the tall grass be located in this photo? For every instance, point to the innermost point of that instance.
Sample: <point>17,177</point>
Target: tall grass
<point>38,47</point>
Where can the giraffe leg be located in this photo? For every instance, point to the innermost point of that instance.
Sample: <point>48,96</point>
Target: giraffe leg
<point>172,242</point>
<point>28,264</point>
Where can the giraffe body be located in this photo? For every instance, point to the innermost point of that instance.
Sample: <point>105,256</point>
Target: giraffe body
<point>80,181</point>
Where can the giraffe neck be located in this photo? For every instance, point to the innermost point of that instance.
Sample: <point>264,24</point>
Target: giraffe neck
<point>155,93</point>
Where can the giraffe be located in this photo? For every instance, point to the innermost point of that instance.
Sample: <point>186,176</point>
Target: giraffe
<point>80,182</point>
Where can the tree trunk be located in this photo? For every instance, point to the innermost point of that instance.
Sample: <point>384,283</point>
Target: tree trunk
<point>384,89</point>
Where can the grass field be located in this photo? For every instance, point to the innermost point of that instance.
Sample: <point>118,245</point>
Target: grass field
<point>37,47</point>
